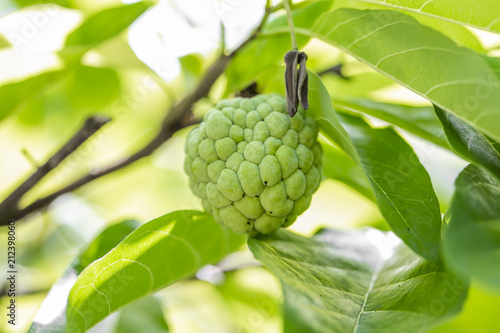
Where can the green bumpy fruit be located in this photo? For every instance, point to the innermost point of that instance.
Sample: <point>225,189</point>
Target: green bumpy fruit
<point>253,166</point>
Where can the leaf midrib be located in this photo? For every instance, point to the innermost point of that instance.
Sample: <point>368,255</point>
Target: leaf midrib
<point>376,273</point>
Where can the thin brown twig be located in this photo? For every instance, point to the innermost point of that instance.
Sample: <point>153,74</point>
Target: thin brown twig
<point>9,207</point>
<point>177,117</point>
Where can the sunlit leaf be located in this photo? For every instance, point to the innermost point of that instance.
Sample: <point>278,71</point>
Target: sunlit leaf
<point>456,79</point>
<point>421,121</point>
<point>63,3</point>
<point>97,28</point>
<point>472,237</point>
<point>250,290</point>
<point>192,69</point>
<point>463,139</point>
<point>459,33</point>
<point>106,24</point>
<point>320,108</point>
<point>51,316</point>
<point>401,185</point>
<point>117,54</point>
<point>157,254</point>
<point>469,143</point>
<point>92,87</point>
<point>484,14</point>
<point>339,281</point>
<point>14,95</point>
<point>478,315</point>
<point>143,315</point>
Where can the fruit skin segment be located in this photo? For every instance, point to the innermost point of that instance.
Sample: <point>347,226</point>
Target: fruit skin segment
<point>253,166</point>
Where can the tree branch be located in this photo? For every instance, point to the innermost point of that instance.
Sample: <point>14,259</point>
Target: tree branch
<point>177,117</point>
<point>9,207</point>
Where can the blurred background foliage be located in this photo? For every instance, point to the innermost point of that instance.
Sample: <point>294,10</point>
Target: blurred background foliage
<point>63,60</point>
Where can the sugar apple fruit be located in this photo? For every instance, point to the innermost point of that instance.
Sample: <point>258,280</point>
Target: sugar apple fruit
<point>253,166</point>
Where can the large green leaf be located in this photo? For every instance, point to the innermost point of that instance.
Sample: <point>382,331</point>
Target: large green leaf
<point>484,14</point>
<point>469,143</point>
<point>401,184</point>
<point>340,281</point>
<point>157,254</point>
<point>428,124</point>
<point>143,315</point>
<point>14,95</point>
<point>472,236</point>
<point>456,79</point>
<point>92,87</point>
<point>337,165</point>
<point>402,187</point>
<point>459,33</point>
<point>268,52</point>
<point>106,24</point>
<point>421,121</point>
<point>51,316</point>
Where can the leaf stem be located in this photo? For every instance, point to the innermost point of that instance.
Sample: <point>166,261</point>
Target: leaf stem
<point>291,26</point>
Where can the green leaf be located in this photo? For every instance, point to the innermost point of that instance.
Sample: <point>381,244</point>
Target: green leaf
<point>463,139</point>
<point>401,185</point>
<point>479,313</point>
<point>472,236</point>
<point>268,52</point>
<point>104,242</point>
<point>456,79</point>
<point>96,29</point>
<point>157,254</point>
<point>4,42</point>
<point>494,63</point>
<point>51,316</point>
<point>320,108</point>
<point>92,87</point>
<point>143,315</point>
<point>459,33</point>
<point>63,3</point>
<point>357,281</point>
<point>469,143</point>
<point>191,69</point>
<point>338,166</point>
<point>421,121</point>
<point>484,14</point>
<point>14,95</point>
<point>106,24</point>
